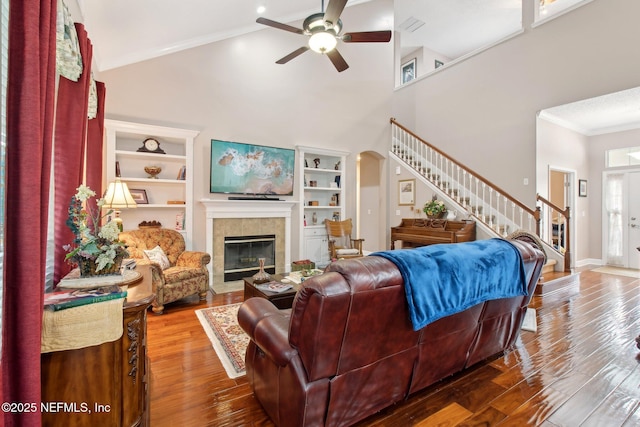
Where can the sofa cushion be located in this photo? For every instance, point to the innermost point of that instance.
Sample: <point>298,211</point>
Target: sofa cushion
<point>158,256</point>
<point>347,252</point>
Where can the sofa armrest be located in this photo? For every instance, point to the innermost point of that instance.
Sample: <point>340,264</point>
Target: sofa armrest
<point>268,327</point>
<point>193,259</point>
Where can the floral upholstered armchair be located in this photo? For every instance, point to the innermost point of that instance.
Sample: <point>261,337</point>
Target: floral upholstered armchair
<point>176,273</point>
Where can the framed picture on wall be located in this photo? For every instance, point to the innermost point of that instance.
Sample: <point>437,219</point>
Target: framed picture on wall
<point>408,71</point>
<point>582,187</point>
<point>407,192</point>
<point>139,196</point>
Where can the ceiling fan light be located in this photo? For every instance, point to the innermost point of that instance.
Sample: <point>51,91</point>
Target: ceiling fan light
<point>322,42</point>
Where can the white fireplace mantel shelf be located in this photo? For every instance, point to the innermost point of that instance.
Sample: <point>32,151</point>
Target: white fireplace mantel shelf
<point>219,208</point>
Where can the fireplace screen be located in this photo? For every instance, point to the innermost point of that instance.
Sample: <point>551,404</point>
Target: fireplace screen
<point>241,254</point>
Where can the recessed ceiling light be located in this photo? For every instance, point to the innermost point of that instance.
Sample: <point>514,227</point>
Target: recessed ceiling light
<point>261,10</point>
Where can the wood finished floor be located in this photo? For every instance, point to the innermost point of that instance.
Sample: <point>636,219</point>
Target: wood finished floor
<point>581,369</point>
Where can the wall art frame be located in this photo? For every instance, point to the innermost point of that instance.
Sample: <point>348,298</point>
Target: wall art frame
<point>407,192</point>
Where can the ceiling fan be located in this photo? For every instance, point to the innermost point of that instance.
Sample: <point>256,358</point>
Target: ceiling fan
<point>323,30</point>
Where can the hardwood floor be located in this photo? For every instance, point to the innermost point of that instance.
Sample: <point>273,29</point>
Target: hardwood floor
<point>581,368</point>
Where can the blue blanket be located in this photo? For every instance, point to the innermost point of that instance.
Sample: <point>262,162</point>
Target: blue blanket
<point>444,279</point>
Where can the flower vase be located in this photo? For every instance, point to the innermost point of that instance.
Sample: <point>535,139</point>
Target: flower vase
<point>436,216</point>
<point>261,276</point>
<point>88,268</point>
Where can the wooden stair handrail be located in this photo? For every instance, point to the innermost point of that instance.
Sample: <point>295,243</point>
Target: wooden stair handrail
<point>566,213</point>
<point>535,213</point>
<point>524,207</point>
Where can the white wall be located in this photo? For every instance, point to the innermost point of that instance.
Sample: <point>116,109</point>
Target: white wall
<point>565,149</point>
<point>482,111</point>
<point>233,90</point>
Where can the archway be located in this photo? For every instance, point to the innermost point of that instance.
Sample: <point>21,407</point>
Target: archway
<point>371,201</point>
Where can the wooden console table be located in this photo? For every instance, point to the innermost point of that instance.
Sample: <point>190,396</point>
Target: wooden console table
<point>416,232</point>
<point>107,384</point>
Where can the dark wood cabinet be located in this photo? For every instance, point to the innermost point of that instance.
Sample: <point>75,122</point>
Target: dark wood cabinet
<point>102,385</point>
<point>416,232</point>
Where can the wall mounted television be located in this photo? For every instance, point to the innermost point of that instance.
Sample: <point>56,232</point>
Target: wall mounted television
<point>256,170</point>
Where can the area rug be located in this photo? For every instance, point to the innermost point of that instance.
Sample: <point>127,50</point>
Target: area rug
<point>618,271</point>
<point>227,337</point>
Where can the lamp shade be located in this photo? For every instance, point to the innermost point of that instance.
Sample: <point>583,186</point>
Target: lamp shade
<point>118,196</point>
<point>322,42</point>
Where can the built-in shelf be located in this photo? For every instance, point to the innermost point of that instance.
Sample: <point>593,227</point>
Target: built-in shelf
<point>323,197</point>
<point>123,140</point>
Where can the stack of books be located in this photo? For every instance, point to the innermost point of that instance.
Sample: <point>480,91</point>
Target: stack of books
<point>55,301</point>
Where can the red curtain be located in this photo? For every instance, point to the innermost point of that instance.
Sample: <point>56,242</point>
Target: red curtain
<point>95,132</point>
<point>70,138</point>
<point>30,101</point>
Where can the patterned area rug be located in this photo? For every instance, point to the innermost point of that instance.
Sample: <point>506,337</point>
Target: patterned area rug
<point>618,271</point>
<point>228,339</point>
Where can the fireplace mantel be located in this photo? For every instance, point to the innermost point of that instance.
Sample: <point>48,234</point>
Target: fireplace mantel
<point>219,209</point>
<point>248,208</point>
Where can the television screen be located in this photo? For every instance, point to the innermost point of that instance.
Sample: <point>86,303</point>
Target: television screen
<point>239,168</point>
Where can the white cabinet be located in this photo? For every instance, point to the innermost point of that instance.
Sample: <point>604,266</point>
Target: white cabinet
<point>316,245</point>
<point>323,197</point>
<point>168,198</point>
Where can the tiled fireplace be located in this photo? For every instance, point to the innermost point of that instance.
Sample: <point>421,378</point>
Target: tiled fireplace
<point>234,218</point>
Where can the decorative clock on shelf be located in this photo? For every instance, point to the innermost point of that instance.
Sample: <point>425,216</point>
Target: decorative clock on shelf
<point>151,145</point>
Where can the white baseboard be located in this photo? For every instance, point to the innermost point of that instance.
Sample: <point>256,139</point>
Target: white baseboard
<point>588,261</point>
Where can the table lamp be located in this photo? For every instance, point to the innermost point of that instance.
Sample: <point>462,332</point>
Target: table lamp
<point>118,197</point>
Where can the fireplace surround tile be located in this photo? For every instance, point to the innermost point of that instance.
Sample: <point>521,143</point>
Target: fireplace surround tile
<point>245,218</point>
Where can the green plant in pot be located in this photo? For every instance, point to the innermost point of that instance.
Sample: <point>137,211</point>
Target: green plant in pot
<point>434,208</point>
<point>95,248</point>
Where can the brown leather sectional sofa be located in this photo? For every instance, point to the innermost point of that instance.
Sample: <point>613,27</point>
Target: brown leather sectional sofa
<point>347,348</point>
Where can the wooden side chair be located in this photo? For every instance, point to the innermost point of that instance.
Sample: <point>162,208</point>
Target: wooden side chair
<point>341,245</point>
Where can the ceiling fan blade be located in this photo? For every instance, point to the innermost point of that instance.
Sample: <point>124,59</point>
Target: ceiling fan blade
<point>367,37</point>
<point>337,60</point>
<point>278,25</point>
<point>334,10</point>
<point>292,55</point>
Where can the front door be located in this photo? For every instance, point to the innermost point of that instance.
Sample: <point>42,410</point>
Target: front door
<point>633,253</point>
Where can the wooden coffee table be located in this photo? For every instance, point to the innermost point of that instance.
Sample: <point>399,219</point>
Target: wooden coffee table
<point>279,299</point>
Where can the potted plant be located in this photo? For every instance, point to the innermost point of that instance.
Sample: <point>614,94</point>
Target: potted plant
<point>96,248</point>
<point>434,208</point>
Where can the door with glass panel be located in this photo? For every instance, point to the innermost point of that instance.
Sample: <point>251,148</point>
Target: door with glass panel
<point>621,219</point>
<point>633,196</point>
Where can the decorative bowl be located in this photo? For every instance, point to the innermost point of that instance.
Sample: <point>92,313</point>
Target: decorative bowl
<point>153,171</point>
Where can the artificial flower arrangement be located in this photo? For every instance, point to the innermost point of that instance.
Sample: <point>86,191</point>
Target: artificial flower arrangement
<point>95,248</point>
<point>434,208</point>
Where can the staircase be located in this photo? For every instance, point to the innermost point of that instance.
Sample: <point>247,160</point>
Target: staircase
<point>496,213</point>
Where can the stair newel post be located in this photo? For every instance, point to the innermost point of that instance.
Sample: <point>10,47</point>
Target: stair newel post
<point>567,254</point>
<point>536,216</point>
